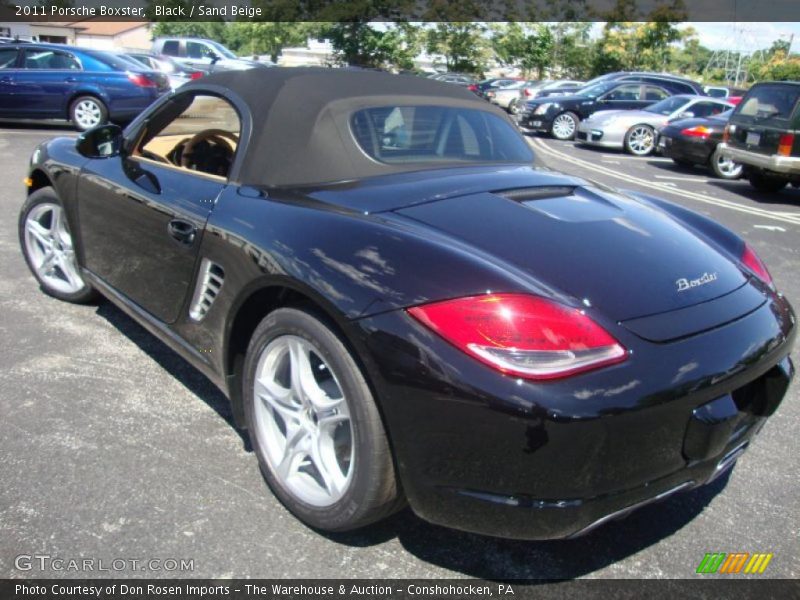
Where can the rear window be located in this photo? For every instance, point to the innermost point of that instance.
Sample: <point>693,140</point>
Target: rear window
<point>770,101</point>
<point>429,134</point>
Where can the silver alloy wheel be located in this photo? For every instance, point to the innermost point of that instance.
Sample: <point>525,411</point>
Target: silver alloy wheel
<point>513,107</point>
<point>641,140</point>
<point>302,422</point>
<point>48,245</point>
<point>87,113</point>
<point>564,126</point>
<point>728,168</point>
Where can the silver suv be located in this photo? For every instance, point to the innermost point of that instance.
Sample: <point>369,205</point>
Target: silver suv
<point>202,54</point>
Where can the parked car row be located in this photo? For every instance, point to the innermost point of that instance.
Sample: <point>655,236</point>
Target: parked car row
<point>735,133</point>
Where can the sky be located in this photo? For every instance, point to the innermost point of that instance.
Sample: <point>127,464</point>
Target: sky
<point>748,36</point>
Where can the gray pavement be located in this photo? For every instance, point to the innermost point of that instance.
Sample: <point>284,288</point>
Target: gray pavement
<point>115,448</point>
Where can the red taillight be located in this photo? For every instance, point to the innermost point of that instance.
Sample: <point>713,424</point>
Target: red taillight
<point>141,80</point>
<point>785,144</point>
<point>524,336</point>
<point>472,87</point>
<point>751,260</point>
<point>699,131</point>
<point>527,92</point>
<point>195,75</point>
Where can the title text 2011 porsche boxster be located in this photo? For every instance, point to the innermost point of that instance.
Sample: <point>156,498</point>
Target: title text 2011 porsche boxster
<point>402,309</point>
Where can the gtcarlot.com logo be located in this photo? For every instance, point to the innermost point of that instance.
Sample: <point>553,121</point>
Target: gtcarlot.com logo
<point>45,562</point>
<point>733,563</point>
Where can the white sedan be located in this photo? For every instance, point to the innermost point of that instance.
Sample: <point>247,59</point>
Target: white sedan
<point>636,130</point>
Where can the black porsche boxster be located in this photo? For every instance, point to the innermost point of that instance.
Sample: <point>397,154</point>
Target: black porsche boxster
<point>401,308</point>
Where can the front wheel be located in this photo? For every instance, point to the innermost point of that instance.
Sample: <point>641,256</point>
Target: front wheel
<point>48,248</point>
<point>564,126</point>
<point>314,424</point>
<point>725,168</point>
<point>513,106</point>
<point>87,112</point>
<point>640,140</point>
<point>766,183</point>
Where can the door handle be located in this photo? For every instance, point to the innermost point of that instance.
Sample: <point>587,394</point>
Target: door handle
<point>71,79</point>
<point>183,231</point>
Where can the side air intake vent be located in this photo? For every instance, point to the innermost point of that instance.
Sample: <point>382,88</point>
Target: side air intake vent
<point>209,284</point>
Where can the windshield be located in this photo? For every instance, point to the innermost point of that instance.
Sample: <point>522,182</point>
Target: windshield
<point>593,91</point>
<point>667,106</point>
<point>221,49</point>
<point>437,134</point>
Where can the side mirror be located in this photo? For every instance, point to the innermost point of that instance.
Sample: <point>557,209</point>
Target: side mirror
<point>101,142</point>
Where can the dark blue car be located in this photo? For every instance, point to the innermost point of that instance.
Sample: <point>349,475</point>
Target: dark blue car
<point>87,87</point>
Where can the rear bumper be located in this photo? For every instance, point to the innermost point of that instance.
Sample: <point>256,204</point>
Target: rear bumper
<point>688,150</point>
<point>787,165</point>
<point>486,453</point>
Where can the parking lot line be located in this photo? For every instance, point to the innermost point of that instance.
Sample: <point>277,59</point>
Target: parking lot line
<point>679,178</point>
<point>663,186</point>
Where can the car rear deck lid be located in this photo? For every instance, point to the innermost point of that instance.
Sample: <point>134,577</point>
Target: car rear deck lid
<point>691,320</point>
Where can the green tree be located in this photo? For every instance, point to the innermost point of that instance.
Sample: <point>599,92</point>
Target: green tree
<point>573,49</point>
<point>360,44</point>
<point>527,46</point>
<point>258,37</point>
<point>462,44</point>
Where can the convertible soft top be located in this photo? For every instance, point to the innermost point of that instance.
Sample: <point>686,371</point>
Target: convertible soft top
<point>301,120</point>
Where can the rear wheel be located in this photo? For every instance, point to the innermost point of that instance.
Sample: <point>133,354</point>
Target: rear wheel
<point>314,424</point>
<point>564,126</point>
<point>513,106</point>
<point>725,168</point>
<point>87,112</point>
<point>48,249</point>
<point>640,140</point>
<point>766,183</point>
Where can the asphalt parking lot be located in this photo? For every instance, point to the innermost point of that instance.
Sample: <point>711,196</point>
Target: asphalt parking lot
<point>113,447</point>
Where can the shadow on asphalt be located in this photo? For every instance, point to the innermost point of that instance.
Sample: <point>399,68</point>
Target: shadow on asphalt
<point>787,197</point>
<point>470,554</point>
<point>500,559</point>
<point>191,378</point>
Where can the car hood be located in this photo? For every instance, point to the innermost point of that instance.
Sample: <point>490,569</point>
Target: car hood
<point>605,249</point>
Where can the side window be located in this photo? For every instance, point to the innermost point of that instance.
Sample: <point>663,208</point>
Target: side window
<point>202,136</point>
<point>49,59</point>
<point>170,48</point>
<point>655,94</point>
<point>706,109</point>
<point>8,58</point>
<point>626,92</point>
<point>199,50</point>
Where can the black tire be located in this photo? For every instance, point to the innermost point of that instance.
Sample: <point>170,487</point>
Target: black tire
<point>565,135</point>
<point>47,195</point>
<point>766,183</point>
<point>723,169</point>
<point>686,164</point>
<point>373,492</point>
<point>636,151</point>
<point>79,107</point>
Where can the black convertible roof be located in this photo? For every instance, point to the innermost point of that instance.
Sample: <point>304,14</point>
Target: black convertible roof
<point>301,119</point>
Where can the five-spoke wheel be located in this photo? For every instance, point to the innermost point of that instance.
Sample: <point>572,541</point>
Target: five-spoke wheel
<point>314,423</point>
<point>640,140</point>
<point>48,247</point>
